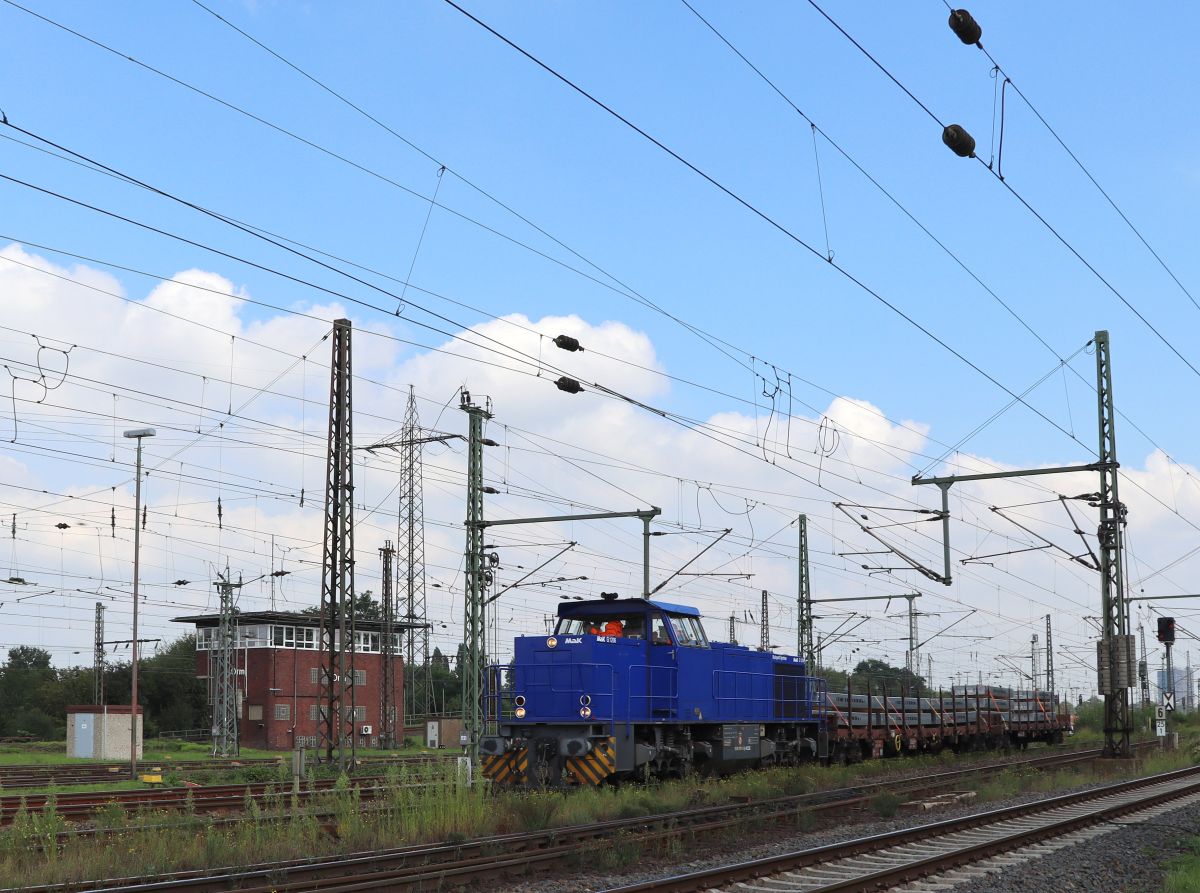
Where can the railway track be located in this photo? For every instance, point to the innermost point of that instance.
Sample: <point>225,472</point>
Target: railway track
<point>30,776</point>
<point>78,807</point>
<point>425,866</point>
<point>930,851</point>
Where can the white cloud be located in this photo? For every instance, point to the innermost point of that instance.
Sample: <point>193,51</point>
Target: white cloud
<point>621,457</point>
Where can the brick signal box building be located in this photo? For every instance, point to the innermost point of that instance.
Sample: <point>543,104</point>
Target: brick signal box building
<point>278,670</point>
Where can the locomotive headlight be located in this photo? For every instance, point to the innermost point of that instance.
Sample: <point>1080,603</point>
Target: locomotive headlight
<point>519,713</point>
<point>585,700</point>
<point>585,712</point>
<point>519,700</point>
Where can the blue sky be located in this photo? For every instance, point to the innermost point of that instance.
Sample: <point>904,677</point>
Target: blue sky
<point>1110,79</point>
<point>1111,90</point>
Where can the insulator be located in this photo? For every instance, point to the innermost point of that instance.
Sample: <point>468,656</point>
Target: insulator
<point>487,441</point>
<point>959,141</point>
<point>492,490</point>
<point>570,385</point>
<point>963,24</point>
<point>566,342</point>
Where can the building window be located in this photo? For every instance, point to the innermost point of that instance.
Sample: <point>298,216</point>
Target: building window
<point>306,637</point>
<point>283,711</point>
<point>312,675</point>
<point>252,636</point>
<point>360,677</point>
<point>317,711</point>
<point>360,714</point>
<point>254,712</point>
<point>366,642</point>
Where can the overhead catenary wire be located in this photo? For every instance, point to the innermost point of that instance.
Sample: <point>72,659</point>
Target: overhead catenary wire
<point>1020,198</point>
<point>231,377</point>
<point>745,203</point>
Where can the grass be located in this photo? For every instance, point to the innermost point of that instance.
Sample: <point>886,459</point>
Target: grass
<point>423,804</point>
<point>1183,872</point>
<point>155,750</point>
<point>42,753</point>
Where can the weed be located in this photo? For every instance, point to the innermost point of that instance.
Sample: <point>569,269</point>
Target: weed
<point>535,811</point>
<point>1183,872</point>
<point>886,804</point>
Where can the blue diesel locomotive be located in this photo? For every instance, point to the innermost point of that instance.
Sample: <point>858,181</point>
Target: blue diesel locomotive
<point>633,689</point>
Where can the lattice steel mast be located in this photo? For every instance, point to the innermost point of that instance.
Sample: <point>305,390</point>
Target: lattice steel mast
<point>1115,650</point>
<point>418,684</point>
<point>1116,647</point>
<point>764,631</point>
<point>224,673</point>
<point>98,657</point>
<point>337,564</point>
<point>804,628</point>
<point>473,630</point>
<point>1049,657</point>
<point>387,648</point>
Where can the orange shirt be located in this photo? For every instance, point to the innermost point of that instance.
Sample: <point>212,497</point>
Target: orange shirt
<point>614,628</point>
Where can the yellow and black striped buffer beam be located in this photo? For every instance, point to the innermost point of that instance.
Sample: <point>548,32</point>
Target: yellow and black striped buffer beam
<point>506,768</point>
<point>594,767</point>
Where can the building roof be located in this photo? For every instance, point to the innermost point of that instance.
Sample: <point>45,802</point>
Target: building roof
<point>626,605</point>
<point>290,618</point>
<point>103,708</point>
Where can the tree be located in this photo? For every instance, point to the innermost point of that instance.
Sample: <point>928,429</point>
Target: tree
<point>366,607</point>
<point>28,691</point>
<point>26,657</point>
<point>882,675</point>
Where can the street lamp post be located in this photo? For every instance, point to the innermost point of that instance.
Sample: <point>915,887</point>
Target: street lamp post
<point>140,434</point>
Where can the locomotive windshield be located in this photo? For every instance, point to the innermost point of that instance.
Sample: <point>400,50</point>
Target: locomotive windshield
<point>689,632</point>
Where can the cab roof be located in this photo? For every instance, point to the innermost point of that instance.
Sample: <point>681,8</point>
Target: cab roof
<point>598,607</point>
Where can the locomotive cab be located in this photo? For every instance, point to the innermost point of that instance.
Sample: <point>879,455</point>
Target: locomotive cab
<point>633,687</point>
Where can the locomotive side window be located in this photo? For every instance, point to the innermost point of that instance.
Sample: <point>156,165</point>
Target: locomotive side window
<point>658,631</point>
<point>635,627</point>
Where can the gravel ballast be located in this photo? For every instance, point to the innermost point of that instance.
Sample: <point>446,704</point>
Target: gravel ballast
<point>1130,858</point>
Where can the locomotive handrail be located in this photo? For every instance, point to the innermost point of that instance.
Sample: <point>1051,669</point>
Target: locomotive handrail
<point>761,704</point>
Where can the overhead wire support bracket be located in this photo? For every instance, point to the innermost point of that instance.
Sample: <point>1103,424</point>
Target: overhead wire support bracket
<point>1079,559</point>
<point>945,483</point>
<point>979,559</point>
<point>1079,531</point>
<point>692,560</point>
<point>560,552</point>
<point>907,559</point>
<point>646,516</point>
